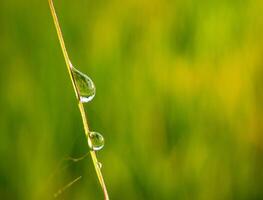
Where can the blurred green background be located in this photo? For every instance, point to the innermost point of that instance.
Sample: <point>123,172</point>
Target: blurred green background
<point>179,99</point>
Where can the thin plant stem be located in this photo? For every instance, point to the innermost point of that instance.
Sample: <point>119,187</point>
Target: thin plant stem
<point>60,191</point>
<point>80,104</point>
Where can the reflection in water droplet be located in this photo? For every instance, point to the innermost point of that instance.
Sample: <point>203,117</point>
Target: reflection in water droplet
<point>96,141</point>
<point>99,165</point>
<point>85,85</point>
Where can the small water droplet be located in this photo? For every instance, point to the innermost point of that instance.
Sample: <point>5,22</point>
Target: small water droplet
<point>99,165</point>
<point>96,141</point>
<point>84,84</point>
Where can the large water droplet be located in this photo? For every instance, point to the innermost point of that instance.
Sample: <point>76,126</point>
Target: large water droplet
<point>85,85</point>
<point>96,141</point>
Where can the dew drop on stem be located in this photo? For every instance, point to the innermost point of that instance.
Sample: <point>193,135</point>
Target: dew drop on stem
<point>96,141</point>
<point>85,86</point>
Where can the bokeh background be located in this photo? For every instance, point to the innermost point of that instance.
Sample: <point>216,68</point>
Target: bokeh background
<point>179,99</point>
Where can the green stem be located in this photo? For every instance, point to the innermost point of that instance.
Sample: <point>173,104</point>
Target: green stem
<point>80,104</point>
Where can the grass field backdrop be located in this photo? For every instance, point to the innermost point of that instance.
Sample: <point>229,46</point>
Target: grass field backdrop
<point>179,99</point>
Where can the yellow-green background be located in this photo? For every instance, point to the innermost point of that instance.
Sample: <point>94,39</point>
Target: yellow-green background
<point>179,99</point>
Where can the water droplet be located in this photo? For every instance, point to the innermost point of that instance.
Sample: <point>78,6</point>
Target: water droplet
<point>96,141</point>
<point>85,86</point>
<point>99,165</point>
